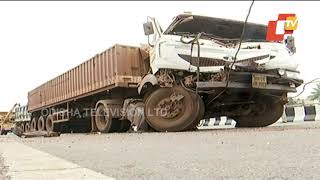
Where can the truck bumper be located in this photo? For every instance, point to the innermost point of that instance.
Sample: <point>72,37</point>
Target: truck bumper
<point>237,85</point>
<point>244,81</point>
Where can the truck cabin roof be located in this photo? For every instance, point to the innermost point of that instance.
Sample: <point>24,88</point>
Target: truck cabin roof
<point>217,27</point>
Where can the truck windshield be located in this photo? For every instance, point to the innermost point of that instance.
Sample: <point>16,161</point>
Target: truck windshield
<point>216,28</point>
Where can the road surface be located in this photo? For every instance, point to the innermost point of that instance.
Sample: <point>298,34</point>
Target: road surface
<point>289,151</point>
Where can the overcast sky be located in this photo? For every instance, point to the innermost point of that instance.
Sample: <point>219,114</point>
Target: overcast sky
<point>40,40</point>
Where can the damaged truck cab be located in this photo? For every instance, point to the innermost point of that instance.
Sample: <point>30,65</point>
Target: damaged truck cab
<point>187,72</point>
<point>196,75</point>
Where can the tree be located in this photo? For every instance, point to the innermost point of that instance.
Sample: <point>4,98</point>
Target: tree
<point>315,94</point>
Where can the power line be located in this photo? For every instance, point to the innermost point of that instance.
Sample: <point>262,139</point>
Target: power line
<point>304,86</point>
<point>235,56</point>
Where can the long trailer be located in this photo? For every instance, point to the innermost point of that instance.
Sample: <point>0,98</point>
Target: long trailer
<point>115,72</point>
<point>118,66</point>
<point>187,73</point>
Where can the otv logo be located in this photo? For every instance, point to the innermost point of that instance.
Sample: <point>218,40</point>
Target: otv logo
<point>285,24</point>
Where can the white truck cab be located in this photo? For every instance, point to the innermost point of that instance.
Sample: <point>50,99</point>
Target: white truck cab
<point>218,44</point>
<point>195,73</point>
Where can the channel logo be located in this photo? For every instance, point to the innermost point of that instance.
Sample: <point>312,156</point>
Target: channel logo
<point>285,24</point>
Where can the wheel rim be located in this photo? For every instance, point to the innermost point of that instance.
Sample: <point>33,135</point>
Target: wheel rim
<point>102,119</point>
<point>171,107</point>
<point>177,120</point>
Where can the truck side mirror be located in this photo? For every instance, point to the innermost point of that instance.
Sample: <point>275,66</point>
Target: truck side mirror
<point>148,28</point>
<point>290,44</point>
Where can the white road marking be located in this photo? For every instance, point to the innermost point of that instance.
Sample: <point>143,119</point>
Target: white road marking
<point>26,163</point>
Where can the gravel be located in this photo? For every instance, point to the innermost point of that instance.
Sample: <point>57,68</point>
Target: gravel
<point>283,152</point>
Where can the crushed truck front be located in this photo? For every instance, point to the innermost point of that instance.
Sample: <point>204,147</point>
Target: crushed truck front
<point>218,44</point>
<point>197,53</point>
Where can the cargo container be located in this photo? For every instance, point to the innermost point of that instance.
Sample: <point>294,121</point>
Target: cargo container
<point>185,73</point>
<point>118,66</point>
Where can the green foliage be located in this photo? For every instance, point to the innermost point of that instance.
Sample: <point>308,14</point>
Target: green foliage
<point>292,101</point>
<point>315,94</point>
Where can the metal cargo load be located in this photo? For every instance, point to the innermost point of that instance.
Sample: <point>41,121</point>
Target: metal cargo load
<point>118,66</point>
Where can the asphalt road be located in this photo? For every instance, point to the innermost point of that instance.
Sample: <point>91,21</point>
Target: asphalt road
<point>277,152</point>
<point>3,170</point>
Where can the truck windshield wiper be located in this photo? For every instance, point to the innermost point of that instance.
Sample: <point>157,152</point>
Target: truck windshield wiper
<point>213,36</point>
<point>184,33</point>
<point>209,36</point>
<point>220,40</point>
<point>254,40</point>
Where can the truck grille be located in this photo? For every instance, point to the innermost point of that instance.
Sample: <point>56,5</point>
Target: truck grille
<point>204,61</point>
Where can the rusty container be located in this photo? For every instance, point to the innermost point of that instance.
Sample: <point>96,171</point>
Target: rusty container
<point>118,66</point>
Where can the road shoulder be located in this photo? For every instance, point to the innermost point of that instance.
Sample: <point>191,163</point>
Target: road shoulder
<point>24,162</point>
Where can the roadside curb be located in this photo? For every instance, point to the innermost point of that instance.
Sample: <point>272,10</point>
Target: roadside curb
<point>290,114</point>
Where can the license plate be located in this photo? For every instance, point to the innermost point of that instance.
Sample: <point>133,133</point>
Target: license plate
<point>259,81</point>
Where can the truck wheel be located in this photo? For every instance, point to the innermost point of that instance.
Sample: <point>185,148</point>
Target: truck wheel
<point>171,109</point>
<point>200,112</point>
<point>104,121</point>
<point>33,126</point>
<point>3,132</point>
<point>264,114</point>
<point>22,127</point>
<point>41,124</point>
<point>50,126</point>
<point>27,127</point>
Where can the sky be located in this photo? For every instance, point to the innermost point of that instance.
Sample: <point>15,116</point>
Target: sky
<point>40,40</point>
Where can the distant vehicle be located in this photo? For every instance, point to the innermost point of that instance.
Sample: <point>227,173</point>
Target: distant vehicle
<point>22,117</point>
<point>186,73</point>
<point>7,122</point>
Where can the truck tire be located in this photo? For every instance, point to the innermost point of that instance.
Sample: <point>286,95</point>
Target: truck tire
<point>271,111</point>
<point>33,125</point>
<point>171,109</point>
<point>104,121</point>
<point>22,127</point>
<point>41,124</point>
<point>3,132</point>
<point>51,126</point>
<point>200,112</point>
<point>27,127</point>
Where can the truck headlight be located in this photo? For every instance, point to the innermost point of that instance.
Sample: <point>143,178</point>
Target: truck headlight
<point>289,74</point>
<point>292,74</point>
<point>282,72</point>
